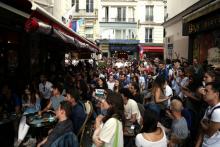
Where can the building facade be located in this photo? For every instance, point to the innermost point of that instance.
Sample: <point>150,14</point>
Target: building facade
<point>85,13</point>
<point>192,30</point>
<point>118,28</point>
<point>176,45</point>
<point>55,7</point>
<point>150,15</point>
<point>133,23</point>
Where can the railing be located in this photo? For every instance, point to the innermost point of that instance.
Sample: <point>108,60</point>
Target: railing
<point>149,18</point>
<point>84,12</point>
<point>148,40</point>
<point>118,20</point>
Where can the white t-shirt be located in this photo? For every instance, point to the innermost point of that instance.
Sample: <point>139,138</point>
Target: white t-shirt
<point>214,140</point>
<point>46,89</point>
<point>119,65</point>
<point>111,85</point>
<point>108,133</point>
<point>140,141</point>
<point>131,108</point>
<point>168,92</point>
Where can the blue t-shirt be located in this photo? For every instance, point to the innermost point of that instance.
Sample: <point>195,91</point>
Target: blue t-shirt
<point>34,108</point>
<point>78,116</point>
<point>55,101</point>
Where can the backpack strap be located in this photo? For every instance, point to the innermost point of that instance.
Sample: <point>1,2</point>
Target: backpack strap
<point>210,115</point>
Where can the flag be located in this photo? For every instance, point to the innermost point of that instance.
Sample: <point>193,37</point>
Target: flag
<point>68,16</point>
<point>141,51</point>
<point>75,24</point>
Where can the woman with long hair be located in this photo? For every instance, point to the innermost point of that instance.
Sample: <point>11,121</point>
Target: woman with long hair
<point>109,129</point>
<point>30,104</point>
<point>117,86</point>
<point>158,92</point>
<point>151,134</point>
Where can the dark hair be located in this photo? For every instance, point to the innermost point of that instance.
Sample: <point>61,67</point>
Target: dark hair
<point>59,86</point>
<point>211,73</point>
<point>150,121</point>
<point>161,62</point>
<point>215,86</point>
<point>136,78</point>
<point>176,60</point>
<point>66,106</point>
<point>117,107</point>
<point>159,82</point>
<point>104,84</point>
<point>136,86</point>
<point>126,92</point>
<point>168,61</point>
<point>74,93</point>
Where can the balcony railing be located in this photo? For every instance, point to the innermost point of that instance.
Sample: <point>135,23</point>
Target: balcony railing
<point>131,20</point>
<point>82,12</point>
<point>148,40</point>
<point>149,18</point>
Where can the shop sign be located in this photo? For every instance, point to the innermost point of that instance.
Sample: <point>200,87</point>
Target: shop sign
<point>201,25</point>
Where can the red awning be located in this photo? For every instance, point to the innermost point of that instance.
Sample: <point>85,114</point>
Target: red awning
<point>45,21</point>
<point>153,49</point>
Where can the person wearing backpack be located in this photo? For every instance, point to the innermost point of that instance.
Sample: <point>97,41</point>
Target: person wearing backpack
<point>209,135</point>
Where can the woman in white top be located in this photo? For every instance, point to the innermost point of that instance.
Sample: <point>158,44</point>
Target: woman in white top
<point>111,83</point>
<point>152,135</point>
<point>109,130</point>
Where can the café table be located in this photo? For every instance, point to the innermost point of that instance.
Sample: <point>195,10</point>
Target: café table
<point>40,125</point>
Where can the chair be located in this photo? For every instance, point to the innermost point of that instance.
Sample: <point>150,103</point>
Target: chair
<point>89,111</point>
<point>68,139</point>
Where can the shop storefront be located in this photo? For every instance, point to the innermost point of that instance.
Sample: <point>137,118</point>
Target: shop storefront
<point>127,49</point>
<point>151,51</point>
<point>203,29</point>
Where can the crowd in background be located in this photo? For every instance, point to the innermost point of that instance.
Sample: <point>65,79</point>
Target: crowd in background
<point>168,103</point>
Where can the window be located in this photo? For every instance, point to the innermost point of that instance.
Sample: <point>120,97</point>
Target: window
<point>73,3</point>
<point>121,14</point>
<point>148,35</point>
<point>89,5</point>
<point>149,13</point>
<point>106,14</point>
<point>117,34</point>
<point>77,5</point>
<point>120,34</point>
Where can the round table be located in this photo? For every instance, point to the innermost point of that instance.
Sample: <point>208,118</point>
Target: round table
<point>40,125</point>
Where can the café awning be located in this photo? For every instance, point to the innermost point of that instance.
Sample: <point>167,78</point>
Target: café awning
<point>153,49</point>
<point>38,20</point>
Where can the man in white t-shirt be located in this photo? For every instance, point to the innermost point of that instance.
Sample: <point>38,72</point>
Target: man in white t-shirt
<point>131,110</point>
<point>45,89</point>
<point>210,124</point>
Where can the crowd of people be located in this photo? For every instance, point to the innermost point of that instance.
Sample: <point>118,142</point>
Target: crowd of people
<point>166,103</point>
